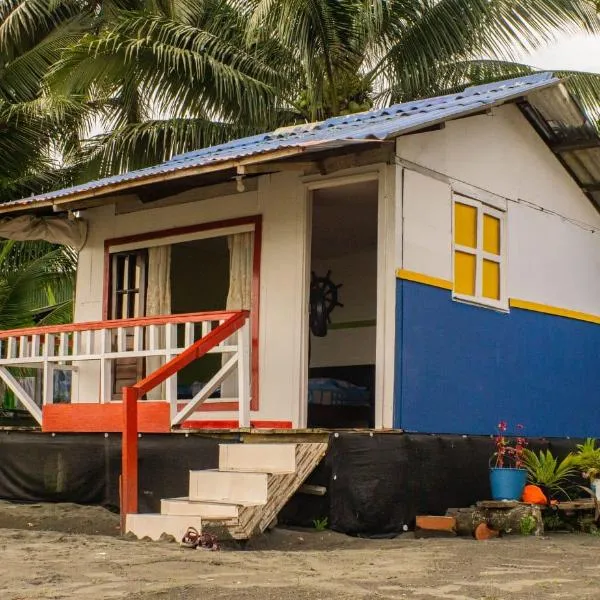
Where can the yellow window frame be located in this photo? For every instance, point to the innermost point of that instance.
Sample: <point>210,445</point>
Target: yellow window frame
<point>480,255</point>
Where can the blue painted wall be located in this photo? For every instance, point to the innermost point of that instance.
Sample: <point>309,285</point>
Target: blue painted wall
<point>461,368</point>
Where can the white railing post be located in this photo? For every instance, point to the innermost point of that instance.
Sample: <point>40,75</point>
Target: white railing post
<point>171,382</point>
<point>105,366</point>
<point>48,376</point>
<point>243,351</point>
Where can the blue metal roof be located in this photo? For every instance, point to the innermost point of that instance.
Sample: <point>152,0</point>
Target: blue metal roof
<point>376,125</point>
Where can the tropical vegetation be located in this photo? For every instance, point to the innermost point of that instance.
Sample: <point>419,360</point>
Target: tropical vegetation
<point>546,471</point>
<point>95,87</point>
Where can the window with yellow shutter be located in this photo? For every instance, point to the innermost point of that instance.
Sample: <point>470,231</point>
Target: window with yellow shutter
<point>479,253</point>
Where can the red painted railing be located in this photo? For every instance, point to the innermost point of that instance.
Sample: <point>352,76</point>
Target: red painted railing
<point>129,480</point>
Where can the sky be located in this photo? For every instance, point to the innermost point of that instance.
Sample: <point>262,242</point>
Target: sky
<point>570,52</point>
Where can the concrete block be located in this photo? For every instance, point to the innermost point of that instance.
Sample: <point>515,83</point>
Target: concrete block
<point>204,510</point>
<point>266,458</point>
<point>230,487</point>
<point>154,525</point>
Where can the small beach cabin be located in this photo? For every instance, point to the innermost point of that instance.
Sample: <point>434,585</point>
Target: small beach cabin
<point>433,267</point>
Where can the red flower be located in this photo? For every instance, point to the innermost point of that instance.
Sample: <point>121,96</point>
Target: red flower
<point>509,451</point>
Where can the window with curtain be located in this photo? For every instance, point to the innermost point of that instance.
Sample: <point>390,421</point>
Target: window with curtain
<point>479,253</point>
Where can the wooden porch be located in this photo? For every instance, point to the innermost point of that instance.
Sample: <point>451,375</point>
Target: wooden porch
<point>30,358</point>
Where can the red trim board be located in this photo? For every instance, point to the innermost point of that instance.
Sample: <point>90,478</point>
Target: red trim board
<point>153,417</point>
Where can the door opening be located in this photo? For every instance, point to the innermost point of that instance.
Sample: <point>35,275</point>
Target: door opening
<point>342,347</point>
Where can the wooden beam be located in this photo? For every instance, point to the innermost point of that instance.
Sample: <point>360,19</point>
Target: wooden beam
<point>273,167</point>
<point>129,455</point>
<point>575,145</point>
<point>312,490</point>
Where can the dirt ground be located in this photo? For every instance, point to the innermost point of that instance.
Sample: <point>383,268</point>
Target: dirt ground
<point>41,557</point>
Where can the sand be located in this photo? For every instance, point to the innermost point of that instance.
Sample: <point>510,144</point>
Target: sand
<point>283,564</point>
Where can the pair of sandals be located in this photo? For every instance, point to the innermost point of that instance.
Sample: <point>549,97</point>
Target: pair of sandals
<point>199,541</point>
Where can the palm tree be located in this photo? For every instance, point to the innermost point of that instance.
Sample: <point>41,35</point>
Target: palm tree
<point>350,53</point>
<point>165,78</point>
<point>36,284</point>
<point>34,125</point>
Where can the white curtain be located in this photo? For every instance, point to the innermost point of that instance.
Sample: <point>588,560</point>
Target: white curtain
<point>158,302</point>
<point>239,296</point>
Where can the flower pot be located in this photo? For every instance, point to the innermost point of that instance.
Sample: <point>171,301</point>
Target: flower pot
<point>507,484</point>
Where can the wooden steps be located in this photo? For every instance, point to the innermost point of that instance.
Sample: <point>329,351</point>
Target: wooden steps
<point>239,499</point>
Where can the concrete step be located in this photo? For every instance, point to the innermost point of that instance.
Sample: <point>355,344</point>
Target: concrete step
<point>204,510</point>
<point>154,525</point>
<point>230,487</point>
<point>266,458</point>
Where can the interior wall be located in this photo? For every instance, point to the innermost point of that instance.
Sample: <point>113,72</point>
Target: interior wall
<point>351,337</point>
<point>344,241</point>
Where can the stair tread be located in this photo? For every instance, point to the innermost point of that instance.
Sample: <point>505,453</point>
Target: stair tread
<point>212,502</point>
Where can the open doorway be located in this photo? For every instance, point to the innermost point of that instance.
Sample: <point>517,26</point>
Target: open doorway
<point>341,385</point>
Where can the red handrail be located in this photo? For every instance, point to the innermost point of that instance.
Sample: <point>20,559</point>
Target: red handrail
<point>116,323</point>
<point>131,395</point>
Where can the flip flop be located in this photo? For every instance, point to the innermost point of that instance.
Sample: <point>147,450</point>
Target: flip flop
<point>191,538</point>
<point>208,541</point>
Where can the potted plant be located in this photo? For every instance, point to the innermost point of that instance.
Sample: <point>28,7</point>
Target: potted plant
<point>587,460</point>
<point>545,471</point>
<point>507,475</point>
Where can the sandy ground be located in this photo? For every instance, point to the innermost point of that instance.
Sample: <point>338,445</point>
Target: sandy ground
<point>284,564</point>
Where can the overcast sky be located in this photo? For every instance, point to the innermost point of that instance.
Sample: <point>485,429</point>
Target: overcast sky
<point>570,52</point>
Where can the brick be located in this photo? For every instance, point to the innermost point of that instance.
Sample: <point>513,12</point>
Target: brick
<point>435,523</point>
<point>483,532</point>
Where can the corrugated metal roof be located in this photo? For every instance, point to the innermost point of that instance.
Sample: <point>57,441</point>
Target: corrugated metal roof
<point>377,125</point>
<point>569,134</point>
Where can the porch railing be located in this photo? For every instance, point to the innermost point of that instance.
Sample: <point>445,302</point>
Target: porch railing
<point>176,340</point>
<point>237,323</point>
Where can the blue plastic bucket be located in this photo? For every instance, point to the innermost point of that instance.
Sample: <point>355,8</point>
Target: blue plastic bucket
<point>507,484</point>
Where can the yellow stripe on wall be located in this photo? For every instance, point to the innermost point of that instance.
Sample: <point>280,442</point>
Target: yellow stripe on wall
<point>554,310</point>
<point>513,302</point>
<point>426,279</point>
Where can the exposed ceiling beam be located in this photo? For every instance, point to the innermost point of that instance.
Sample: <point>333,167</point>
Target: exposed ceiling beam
<point>272,167</point>
<point>591,187</point>
<point>575,145</point>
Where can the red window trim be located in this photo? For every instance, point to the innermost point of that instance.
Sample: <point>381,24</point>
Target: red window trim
<point>255,220</point>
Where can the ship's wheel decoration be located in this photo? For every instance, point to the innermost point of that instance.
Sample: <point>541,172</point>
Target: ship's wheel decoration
<point>323,299</point>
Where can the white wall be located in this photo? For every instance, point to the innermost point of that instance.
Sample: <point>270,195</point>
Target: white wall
<point>352,346</point>
<point>281,201</point>
<point>550,260</point>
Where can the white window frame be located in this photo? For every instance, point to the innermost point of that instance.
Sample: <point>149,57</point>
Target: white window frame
<point>480,255</point>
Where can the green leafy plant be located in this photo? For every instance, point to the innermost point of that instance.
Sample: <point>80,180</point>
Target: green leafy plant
<point>321,524</point>
<point>553,522</point>
<point>587,459</point>
<point>545,470</point>
<point>527,525</point>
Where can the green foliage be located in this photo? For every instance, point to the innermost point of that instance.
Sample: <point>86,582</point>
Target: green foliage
<point>94,87</point>
<point>36,284</point>
<point>587,459</point>
<point>553,522</point>
<point>545,470</point>
<point>527,525</point>
<point>321,524</point>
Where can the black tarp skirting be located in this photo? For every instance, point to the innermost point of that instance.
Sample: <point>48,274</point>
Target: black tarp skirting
<point>376,482</point>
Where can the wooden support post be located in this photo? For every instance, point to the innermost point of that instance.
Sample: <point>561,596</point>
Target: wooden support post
<point>129,455</point>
